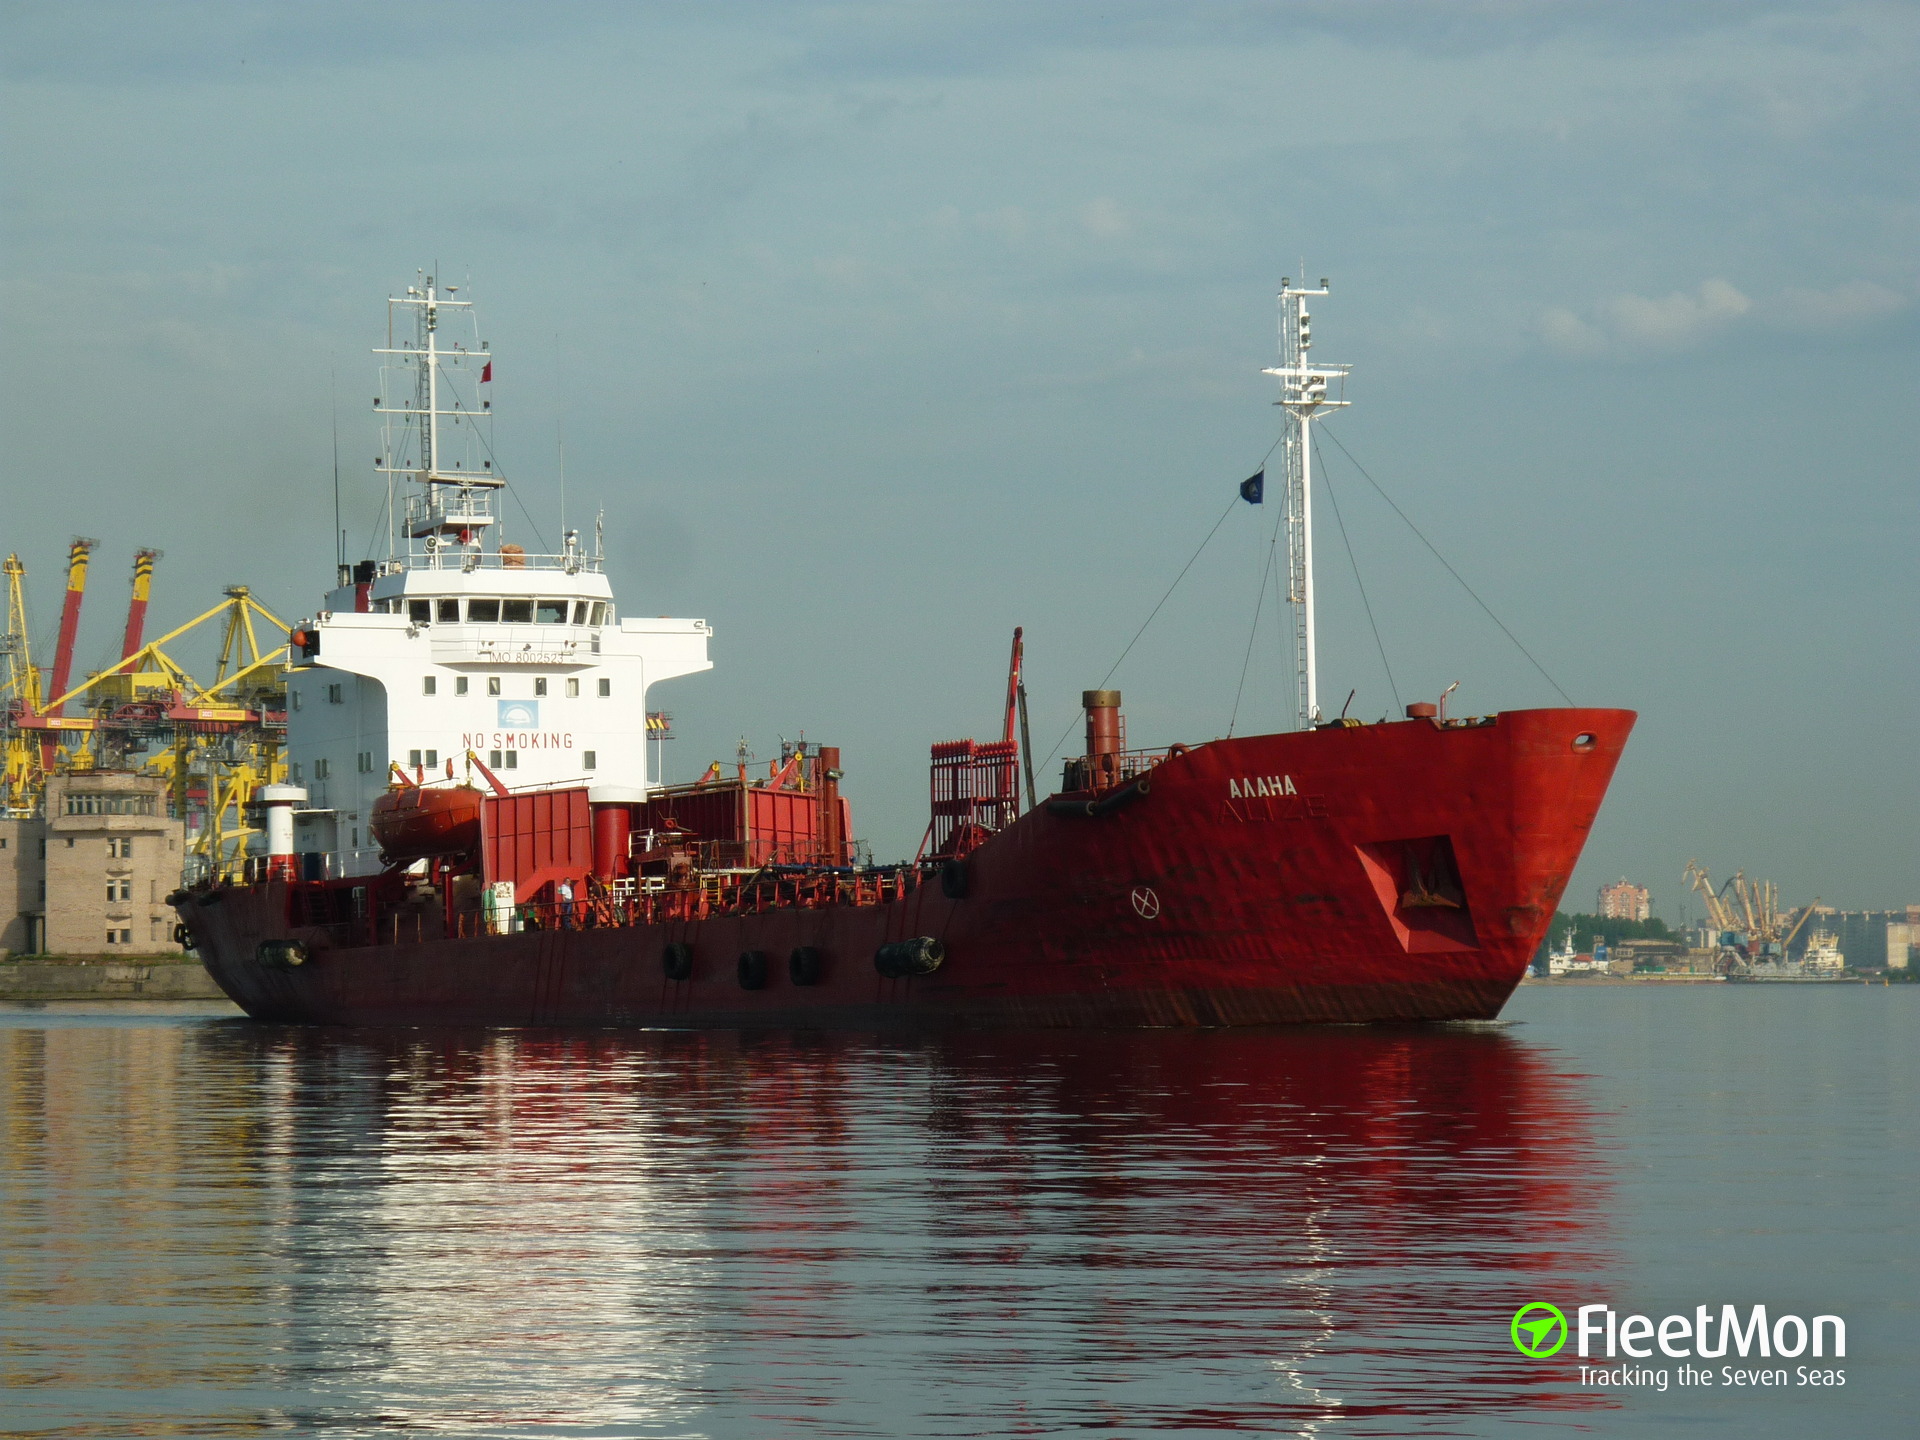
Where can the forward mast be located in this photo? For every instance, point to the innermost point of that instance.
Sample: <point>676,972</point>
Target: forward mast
<point>1303,395</point>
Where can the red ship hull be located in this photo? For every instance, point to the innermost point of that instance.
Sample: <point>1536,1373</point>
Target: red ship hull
<point>1395,872</point>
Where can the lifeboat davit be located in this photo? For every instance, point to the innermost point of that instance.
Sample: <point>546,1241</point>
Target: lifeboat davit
<point>415,823</point>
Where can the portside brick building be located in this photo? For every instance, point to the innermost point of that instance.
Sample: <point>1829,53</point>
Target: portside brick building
<point>92,877</point>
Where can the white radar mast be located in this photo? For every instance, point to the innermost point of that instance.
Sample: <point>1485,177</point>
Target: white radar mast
<point>1303,395</point>
<point>438,428</point>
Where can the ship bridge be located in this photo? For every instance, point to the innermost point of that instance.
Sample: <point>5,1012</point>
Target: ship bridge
<point>462,643</point>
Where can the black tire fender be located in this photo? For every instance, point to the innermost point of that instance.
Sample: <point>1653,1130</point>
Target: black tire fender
<point>676,961</point>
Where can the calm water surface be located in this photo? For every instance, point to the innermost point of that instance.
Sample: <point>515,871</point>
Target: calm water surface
<point>210,1227</point>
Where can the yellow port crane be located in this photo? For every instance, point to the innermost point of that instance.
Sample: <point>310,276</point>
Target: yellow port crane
<point>148,712</point>
<point>19,695</point>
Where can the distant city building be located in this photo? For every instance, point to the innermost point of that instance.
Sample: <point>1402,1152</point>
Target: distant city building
<point>1869,938</point>
<point>1625,901</point>
<point>1903,938</point>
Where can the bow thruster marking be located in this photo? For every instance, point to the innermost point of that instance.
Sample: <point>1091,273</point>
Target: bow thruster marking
<point>1146,904</point>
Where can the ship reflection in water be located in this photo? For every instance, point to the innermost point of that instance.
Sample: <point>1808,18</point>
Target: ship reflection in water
<point>231,1228</point>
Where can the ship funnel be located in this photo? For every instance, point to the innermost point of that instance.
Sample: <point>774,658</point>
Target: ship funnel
<point>279,801</point>
<point>1104,735</point>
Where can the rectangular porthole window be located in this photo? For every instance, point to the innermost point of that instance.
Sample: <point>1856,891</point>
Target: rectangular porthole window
<point>449,610</point>
<point>413,757</point>
<point>433,758</point>
<point>516,612</point>
<point>606,688</point>
<point>512,760</point>
<point>459,684</point>
<point>573,687</point>
<point>589,759</point>
<point>493,684</point>
<point>540,685</point>
<point>493,760</point>
<point>483,612</point>
<point>429,685</point>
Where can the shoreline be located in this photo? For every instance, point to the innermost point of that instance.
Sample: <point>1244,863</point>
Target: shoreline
<point>93,977</point>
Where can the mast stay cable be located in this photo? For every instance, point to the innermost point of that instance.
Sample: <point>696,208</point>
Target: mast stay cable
<point>1354,561</point>
<point>1450,570</point>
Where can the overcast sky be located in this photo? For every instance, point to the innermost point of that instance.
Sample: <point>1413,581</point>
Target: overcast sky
<point>881,329</point>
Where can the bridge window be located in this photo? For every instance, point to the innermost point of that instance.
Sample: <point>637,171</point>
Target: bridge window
<point>420,612</point>
<point>449,610</point>
<point>579,612</point>
<point>516,612</point>
<point>599,612</point>
<point>550,612</point>
<point>484,612</point>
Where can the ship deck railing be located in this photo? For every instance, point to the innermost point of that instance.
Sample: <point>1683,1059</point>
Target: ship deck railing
<point>708,897</point>
<point>1079,774</point>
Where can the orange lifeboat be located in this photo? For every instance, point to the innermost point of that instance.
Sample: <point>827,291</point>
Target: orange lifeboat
<point>415,822</point>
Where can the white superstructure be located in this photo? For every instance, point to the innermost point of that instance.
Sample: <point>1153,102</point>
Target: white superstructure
<point>460,641</point>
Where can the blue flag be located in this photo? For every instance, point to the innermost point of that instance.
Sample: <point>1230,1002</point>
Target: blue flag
<point>1253,489</point>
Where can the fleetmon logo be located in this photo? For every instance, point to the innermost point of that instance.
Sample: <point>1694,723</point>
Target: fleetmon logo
<point>1539,1330</point>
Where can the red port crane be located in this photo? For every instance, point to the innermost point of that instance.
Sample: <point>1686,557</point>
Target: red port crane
<point>137,606</point>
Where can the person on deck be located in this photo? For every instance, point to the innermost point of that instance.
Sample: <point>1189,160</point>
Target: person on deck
<point>564,892</point>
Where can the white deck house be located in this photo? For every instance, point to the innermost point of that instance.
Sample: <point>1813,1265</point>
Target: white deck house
<point>457,643</point>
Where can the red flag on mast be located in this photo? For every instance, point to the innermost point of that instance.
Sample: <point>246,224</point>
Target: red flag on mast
<point>486,372</point>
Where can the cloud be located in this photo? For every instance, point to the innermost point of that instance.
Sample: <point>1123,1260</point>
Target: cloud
<point>1854,302</point>
<point>1104,218</point>
<point>1569,334</point>
<point>1634,324</point>
<point>1677,320</point>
